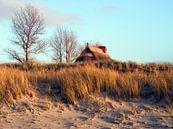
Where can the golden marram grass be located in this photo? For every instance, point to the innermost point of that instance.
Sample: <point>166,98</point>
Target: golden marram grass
<point>79,82</point>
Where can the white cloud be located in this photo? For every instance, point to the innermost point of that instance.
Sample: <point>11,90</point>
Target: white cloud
<point>7,8</point>
<point>52,17</point>
<point>109,8</point>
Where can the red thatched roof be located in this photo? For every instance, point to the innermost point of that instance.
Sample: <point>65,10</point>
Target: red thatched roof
<point>93,53</point>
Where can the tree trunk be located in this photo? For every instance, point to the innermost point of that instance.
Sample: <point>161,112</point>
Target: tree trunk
<point>26,55</point>
<point>60,57</point>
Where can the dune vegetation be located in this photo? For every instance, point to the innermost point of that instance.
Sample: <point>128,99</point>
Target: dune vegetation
<point>13,85</point>
<point>72,84</point>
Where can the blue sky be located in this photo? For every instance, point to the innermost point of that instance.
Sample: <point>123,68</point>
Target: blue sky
<point>136,30</point>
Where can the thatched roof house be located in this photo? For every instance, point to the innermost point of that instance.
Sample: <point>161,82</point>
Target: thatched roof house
<point>91,53</point>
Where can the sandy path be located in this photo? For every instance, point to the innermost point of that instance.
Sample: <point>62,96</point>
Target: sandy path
<point>97,113</point>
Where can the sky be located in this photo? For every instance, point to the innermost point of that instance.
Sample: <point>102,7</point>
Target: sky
<point>132,30</point>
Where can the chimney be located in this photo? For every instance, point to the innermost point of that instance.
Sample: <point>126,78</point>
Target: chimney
<point>104,49</point>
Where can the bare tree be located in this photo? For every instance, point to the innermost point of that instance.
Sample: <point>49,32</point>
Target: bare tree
<point>57,44</point>
<point>71,45</point>
<point>65,45</point>
<point>27,26</point>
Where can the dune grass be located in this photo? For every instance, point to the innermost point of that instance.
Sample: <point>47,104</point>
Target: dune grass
<point>13,85</point>
<point>113,65</point>
<point>78,82</point>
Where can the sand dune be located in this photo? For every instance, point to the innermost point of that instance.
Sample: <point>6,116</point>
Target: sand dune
<point>90,113</point>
